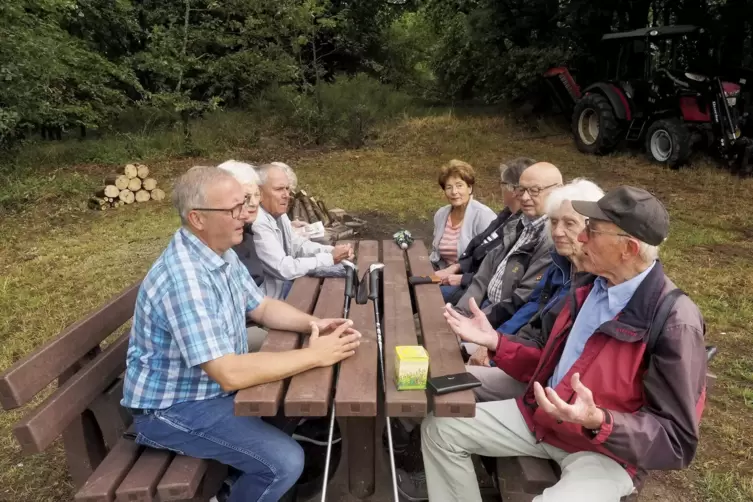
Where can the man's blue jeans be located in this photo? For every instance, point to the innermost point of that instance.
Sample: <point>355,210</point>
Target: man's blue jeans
<point>269,461</point>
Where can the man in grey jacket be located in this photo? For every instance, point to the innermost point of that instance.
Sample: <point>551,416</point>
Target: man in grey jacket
<point>516,266</point>
<point>284,254</point>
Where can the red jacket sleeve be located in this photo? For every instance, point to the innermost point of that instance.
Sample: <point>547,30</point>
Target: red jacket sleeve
<point>516,356</point>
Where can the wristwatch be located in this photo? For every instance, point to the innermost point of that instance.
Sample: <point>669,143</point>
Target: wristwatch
<point>607,420</point>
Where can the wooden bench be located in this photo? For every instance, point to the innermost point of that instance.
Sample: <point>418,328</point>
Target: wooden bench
<point>105,465</point>
<point>85,410</point>
<point>520,479</point>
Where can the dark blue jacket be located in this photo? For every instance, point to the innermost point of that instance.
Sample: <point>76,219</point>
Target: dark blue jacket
<point>509,318</point>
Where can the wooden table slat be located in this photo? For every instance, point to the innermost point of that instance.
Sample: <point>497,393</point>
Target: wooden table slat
<point>264,400</point>
<point>309,392</point>
<point>439,340</point>
<point>399,329</point>
<point>356,394</point>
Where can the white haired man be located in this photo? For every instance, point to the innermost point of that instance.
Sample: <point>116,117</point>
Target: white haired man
<point>284,254</point>
<point>188,349</point>
<point>604,400</point>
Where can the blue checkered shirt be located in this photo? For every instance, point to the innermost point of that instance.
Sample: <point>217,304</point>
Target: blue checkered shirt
<point>191,308</point>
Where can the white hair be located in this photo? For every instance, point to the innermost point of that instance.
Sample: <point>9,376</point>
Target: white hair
<point>578,189</point>
<point>189,191</point>
<point>264,173</point>
<point>245,173</point>
<point>647,252</point>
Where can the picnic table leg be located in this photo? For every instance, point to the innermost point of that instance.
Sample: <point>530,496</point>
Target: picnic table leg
<point>360,431</point>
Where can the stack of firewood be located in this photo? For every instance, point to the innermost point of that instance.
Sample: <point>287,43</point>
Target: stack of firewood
<point>337,223</point>
<point>131,184</point>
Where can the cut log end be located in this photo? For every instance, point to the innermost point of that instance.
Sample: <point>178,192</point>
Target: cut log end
<point>119,180</point>
<point>108,191</point>
<point>158,194</point>
<point>130,171</point>
<point>134,184</point>
<point>142,196</point>
<point>127,196</point>
<point>149,184</point>
<point>142,171</point>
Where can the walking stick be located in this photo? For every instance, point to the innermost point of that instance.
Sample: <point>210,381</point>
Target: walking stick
<point>351,285</point>
<point>374,296</point>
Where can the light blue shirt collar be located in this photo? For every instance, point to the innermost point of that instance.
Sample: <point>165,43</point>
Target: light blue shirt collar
<point>619,295</point>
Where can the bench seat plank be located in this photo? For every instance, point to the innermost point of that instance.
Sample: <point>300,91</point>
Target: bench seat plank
<point>399,329</point>
<point>38,430</point>
<point>22,381</point>
<point>440,342</point>
<point>182,479</point>
<point>140,485</point>
<point>101,486</point>
<point>264,400</point>
<point>309,392</point>
<point>356,394</point>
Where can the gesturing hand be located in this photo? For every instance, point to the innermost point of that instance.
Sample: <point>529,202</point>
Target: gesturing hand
<point>336,346</point>
<point>475,329</point>
<point>583,411</point>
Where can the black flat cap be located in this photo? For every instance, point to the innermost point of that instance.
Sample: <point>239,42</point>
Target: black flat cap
<point>634,210</point>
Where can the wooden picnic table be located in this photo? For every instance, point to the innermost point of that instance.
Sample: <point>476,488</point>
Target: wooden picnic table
<point>357,388</point>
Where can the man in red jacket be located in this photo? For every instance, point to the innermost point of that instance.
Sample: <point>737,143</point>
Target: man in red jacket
<point>596,402</point>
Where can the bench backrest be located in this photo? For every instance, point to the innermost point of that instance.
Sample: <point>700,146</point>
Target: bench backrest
<point>84,373</point>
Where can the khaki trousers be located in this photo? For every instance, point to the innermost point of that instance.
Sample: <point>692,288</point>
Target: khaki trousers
<point>496,385</point>
<point>499,430</point>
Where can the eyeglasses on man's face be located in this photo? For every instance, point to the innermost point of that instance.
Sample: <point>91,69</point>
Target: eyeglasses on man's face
<point>590,230</point>
<point>534,191</point>
<point>235,211</point>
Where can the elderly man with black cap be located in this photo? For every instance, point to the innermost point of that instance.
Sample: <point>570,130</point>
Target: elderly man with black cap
<point>604,400</point>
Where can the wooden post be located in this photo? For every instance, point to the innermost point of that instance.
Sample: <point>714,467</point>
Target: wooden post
<point>360,443</point>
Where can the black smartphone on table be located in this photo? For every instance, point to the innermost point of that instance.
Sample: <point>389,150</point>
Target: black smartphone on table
<point>452,383</point>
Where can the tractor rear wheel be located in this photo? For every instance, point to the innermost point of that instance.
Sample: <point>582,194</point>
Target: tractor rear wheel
<point>668,141</point>
<point>594,125</point>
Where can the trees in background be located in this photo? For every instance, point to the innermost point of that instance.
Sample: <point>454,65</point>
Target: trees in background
<point>79,64</point>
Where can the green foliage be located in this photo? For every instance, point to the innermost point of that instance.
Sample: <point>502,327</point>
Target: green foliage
<point>344,112</point>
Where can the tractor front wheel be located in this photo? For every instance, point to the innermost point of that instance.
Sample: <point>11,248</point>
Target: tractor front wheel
<point>668,141</point>
<point>594,125</point>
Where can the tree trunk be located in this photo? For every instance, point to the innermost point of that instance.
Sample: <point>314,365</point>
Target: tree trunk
<point>312,218</point>
<point>119,180</point>
<point>157,194</point>
<point>96,203</point>
<point>318,211</point>
<point>292,207</point>
<point>149,184</point>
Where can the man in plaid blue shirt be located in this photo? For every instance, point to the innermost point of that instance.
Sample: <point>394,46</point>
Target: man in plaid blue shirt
<point>188,351</point>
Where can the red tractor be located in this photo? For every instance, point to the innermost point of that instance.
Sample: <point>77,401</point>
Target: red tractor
<point>649,96</point>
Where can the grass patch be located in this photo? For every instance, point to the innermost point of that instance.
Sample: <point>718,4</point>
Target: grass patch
<point>729,487</point>
<point>60,260</point>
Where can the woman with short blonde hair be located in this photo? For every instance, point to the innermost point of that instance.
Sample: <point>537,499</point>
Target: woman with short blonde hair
<point>462,219</point>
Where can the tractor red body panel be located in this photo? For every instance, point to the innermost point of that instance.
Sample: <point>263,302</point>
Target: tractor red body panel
<point>691,112</point>
<point>563,74</point>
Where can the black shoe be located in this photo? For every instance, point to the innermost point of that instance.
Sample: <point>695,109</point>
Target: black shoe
<point>316,431</point>
<point>412,485</point>
<point>400,437</point>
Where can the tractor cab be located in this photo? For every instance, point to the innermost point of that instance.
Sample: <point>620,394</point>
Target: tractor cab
<point>647,61</point>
